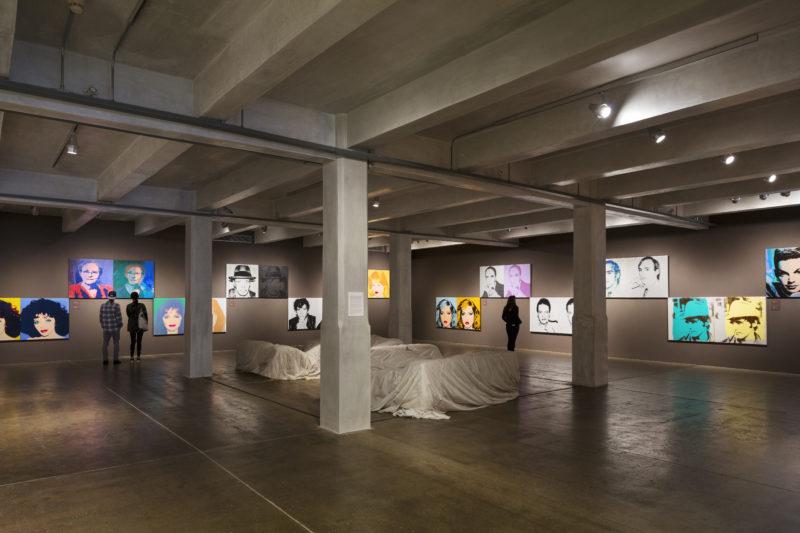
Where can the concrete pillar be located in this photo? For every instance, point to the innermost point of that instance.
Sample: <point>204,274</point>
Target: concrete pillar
<point>590,323</point>
<point>400,287</point>
<point>345,366</point>
<point>197,320</point>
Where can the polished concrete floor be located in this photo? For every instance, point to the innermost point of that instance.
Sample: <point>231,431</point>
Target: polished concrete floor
<point>139,448</point>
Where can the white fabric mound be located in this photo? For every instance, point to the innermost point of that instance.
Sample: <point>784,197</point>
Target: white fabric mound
<point>411,380</point>
<point>427,387</point>
<point>276,361</point>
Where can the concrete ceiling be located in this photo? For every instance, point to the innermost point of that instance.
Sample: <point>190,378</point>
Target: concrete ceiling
<point>491,98</point>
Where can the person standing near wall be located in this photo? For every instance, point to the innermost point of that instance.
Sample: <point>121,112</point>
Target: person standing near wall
<point>111,322</point>
<point>137,324</point>
<point>511,318</point>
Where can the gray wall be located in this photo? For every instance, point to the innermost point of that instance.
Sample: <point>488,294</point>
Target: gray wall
<point>35,256</point>
<point>726,260</point>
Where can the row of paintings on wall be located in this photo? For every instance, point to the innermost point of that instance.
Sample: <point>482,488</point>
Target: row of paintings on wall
<point>715,319</point>
<point>95,278</point>
<point>269,281</point>
<point>458,312</point>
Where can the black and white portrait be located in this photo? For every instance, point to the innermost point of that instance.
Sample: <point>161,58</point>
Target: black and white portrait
<point>305,313</point>
<point>242,281</point>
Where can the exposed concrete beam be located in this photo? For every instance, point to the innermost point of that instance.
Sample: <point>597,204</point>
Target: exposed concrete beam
<point>144,157</point>
<point>251,179</point>
<point>24,183</point>
<point>218,230</point>
<point>561,226</point>
<point>547,48</point>
<point>72,220</point>
<point>169,127</point>
<point>496,224</point>
<point>749,203</point>
<point>777,159</point>
<point>312,241</point>
<point>289,120</point>
<point>758,125</point>
<point>786,182</point>
<point>149,224</point>
<point>8,24</point>
<point>488,209</point>
<point>280,39</point>
<point>378,242</point>
<point>310,201</point>
<point>764,68</point>
<point>277,233</point>
<point>421,201</point>
<point>421,245</point>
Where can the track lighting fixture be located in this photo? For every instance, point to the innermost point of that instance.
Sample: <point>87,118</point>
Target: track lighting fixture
<point>376,202</point>
<point>786,194</point>
<point>728,159</point>
<point>72,144</point>
<point>657,135</point>
<point>772,178</point>
<point>602,111</point>
<point>76,6</point>
<point>736,199</point>
<point>225,225</point>
<point>263,230</point>
<point>35,211</point>
<point>763,195</point>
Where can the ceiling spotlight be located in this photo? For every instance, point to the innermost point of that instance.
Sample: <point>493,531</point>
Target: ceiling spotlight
<point>601,110</point>
<point>786,194</point>
<point>763,195</point>
<point>736,199</point>
<point>658,135</point>
<point>772,178</point>
<point>72,145</point>
<point>35,211</point>
<point>225,226</point>
<point>263,230</point>
<point>376,202</point>
<point>728,159</point>
<point>76,6</point>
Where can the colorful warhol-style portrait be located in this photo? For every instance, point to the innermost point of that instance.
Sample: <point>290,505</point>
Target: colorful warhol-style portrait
<point>273,281</point>
<point>134,276</point>
<point>44,318</point>
<point>692,319</point>
<point>517,281</point>
<point>305,313</point>
<point>446,311</point>
<point>10,321</point>
<point>783,272</point>
<point>552,314</point>
<point>378,283</point>
<point>637,277</point>
<point>745,320</point>
<point>242,281</point>
<point>90,278</point>
<point>169,316</point>
<point>491,281</point>
<point>613,276</point>
<point>219,315</point>
<point>469,314</point>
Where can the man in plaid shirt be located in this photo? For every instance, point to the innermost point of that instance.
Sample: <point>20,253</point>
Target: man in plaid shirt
<point>111,322</point>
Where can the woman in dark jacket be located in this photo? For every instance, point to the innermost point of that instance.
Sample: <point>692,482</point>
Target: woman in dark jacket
<point>511,318</point>
<point>132,310</point>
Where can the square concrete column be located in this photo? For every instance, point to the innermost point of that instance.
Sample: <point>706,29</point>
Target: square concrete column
<point>345,366</point>
<point>197,319</point>
<point>589,323</point>
<point>400,287</point>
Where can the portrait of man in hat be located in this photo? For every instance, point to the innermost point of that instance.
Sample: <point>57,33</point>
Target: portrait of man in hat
<point>273,281</point>
<point>240,280</point>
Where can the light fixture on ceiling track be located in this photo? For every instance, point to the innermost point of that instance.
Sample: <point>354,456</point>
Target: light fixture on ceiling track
<point>736,199</point>
<point>376,202</point>
<point>763,195</point>
<point>657,135</point>
<point>786,194</point>
<point>772,178</point>
<point>263,230</point>
<point>602,111</point>
<point>76,6</point>
<point>72,144</point>
<point>728,159</point>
